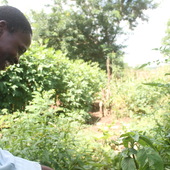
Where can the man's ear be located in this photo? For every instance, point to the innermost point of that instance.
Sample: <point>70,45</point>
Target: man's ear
<point>3,26</point>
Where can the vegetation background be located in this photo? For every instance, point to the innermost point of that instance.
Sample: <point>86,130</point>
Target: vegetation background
<point>75,61</point>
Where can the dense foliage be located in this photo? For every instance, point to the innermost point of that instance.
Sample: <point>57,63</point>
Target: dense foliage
<point>62,141</point>
<point>40,134</point>
<point>134,95</point>
<point>44,99</point>
<point>90,29</point>
<point>75,83</point>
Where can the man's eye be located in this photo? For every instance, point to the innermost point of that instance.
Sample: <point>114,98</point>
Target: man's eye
<point>21,50</point>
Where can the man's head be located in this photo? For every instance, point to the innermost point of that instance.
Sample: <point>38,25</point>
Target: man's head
<point>15,35</point>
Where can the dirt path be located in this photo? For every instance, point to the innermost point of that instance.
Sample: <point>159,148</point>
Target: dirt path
<point>100,124</point>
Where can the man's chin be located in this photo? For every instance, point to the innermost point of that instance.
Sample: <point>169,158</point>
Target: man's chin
<point>2,67</point>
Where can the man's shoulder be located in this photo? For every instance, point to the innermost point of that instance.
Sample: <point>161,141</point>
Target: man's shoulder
<point>10,162</point>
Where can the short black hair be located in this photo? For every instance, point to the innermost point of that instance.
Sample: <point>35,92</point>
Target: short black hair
<point>16,20</point>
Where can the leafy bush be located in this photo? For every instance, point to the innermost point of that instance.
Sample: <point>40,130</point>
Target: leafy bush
<point>54,136</point>
<point>162,136</point>
<point>75,83</point>
<point>39,134</point>
<point>132,96</point>
<point>156,124</point>
<point>139,153</point>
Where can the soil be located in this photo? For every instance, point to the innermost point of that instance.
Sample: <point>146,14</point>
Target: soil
<point>108,122</point>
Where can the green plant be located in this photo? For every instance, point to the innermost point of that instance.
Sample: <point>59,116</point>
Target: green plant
<point>57,140</point>
<point>139,153</point>
<point>75,82</point>
<point>89,30</point>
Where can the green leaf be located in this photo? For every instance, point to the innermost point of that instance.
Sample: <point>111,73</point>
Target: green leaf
<point>126,141</point>
<point>144,65</point>
<point>144,140</point>
<point>135,137</point>
<point>167,74</point>
<point>128,164</point>
<point>131,136</point>
<point>149,159</point>
<point>132,151</point>
<point>168,136</point>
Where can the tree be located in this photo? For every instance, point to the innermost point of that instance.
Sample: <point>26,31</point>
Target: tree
<point>89,29</point>
<point>165,49</point>
<point>4,2</point>
<point>39,22</point>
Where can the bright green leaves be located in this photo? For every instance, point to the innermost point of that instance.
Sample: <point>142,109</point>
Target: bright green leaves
<point>139,153</point>
<point>75,82</point>
<point>149,159</point>
<point>146,159</point>
<point>128,164</point>
<point>53,136</point>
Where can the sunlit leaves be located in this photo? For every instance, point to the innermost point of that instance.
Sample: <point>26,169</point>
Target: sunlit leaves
<point>90,29</point>
<point>140,153</point>
<point>149,159</point>
<point>128,164</point>
<point>75,82</point>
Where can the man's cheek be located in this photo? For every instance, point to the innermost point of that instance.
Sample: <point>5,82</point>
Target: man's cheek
<point>2,66</point>
<point>2,62</point>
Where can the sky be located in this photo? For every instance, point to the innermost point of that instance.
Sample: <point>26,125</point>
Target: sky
<point>141,42</point>
<point>148,36</point>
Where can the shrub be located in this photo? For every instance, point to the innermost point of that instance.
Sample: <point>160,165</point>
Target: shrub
<point>131,94</point>
<point>75,83</point>
<point>39,134</point>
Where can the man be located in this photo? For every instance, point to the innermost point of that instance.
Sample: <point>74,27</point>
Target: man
<point>15,39</point>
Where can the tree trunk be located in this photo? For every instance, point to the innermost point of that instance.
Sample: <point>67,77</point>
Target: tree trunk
<point>107,104</point>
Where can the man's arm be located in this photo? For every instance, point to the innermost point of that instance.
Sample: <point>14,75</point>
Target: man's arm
<point>45,168</point>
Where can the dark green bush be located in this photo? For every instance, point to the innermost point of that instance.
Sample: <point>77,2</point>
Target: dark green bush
<point>75,83</point>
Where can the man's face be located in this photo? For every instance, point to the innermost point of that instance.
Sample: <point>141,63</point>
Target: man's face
<point>12,46</point>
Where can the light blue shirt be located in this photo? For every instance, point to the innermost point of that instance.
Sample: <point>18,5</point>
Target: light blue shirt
<point>11,162</point>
